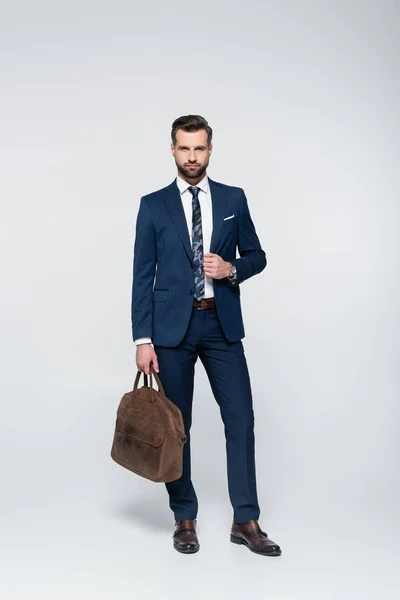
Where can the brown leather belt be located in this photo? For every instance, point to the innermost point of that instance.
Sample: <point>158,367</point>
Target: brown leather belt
<point>204,303</point>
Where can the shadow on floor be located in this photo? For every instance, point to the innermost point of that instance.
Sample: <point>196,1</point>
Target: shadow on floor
<point>146,512</point>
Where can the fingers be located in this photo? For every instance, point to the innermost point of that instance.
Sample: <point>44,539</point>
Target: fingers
<point>209,256</point>
<point>144,354</point>
<point>155,363</point>
<point>144,367</point>
<point>144,357</point>
<point>210,264</point>
<point>207,265</point>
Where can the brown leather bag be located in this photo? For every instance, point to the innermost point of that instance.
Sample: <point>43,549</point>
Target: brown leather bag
<point>149,432</point>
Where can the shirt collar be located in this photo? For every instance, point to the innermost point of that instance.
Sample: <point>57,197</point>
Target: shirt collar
<point>184,185</point>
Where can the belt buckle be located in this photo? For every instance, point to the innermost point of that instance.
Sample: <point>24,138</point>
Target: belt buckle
<point>200,307</point>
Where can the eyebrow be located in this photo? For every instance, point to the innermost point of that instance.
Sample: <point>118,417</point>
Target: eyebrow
<point>183,146</point>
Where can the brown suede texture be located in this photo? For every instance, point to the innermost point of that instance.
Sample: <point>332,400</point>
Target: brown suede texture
<point>149,433</point>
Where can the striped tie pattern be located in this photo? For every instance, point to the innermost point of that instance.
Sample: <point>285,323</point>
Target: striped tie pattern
<point>197,244</point>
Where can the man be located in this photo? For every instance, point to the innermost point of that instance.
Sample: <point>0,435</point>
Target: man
<point>186,238</point>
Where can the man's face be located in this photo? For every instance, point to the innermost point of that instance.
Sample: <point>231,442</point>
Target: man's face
<point>192,153</point>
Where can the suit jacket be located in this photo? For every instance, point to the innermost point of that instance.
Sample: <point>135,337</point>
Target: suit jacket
<point>163,277</point>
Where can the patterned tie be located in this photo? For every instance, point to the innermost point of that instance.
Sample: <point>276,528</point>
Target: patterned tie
<point>197,244</point>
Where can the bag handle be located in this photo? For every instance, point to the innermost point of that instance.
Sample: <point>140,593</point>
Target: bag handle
<point>156,377</point>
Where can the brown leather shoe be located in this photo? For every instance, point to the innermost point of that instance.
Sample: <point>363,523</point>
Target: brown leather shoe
<point>251,535</point>
<point>185,536</point>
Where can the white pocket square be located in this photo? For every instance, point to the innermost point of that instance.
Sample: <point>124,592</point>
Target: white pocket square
<point>231,217</point>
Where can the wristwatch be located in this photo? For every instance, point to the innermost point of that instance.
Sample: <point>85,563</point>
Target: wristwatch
<point>232,272</point>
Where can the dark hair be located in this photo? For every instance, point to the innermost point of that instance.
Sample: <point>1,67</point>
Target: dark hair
<point>191,123</point>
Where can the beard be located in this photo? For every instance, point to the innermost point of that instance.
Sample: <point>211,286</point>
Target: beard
<point>192,173</point>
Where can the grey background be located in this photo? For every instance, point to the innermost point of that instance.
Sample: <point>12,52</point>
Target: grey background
<point>303,99</point>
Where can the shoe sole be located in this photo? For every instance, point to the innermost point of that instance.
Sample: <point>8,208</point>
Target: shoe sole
<point>187,551</point>
<point>236,540</point>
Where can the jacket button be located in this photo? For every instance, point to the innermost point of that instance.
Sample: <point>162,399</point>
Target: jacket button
<point>191,292</point>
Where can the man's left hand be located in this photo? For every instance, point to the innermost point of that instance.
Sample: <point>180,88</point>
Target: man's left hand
<point>215,266</point>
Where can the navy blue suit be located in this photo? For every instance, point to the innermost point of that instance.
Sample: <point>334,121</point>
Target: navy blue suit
<point>162,309</point>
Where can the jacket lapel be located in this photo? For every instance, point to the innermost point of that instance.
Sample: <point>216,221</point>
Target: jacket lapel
<point>219,200</point>
<point>172,197</point>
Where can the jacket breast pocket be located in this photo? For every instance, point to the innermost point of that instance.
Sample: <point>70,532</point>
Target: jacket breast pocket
<point>229,222</point>
<point>160,295</point>
<point>229,227</point>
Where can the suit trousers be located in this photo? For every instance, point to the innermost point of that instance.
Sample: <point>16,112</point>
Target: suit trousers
<point>226,368</point>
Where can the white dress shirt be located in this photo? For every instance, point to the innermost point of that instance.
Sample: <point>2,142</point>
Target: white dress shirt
<point>206,221</point>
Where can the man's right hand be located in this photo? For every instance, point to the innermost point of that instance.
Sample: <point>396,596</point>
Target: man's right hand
<point>145,355</point>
